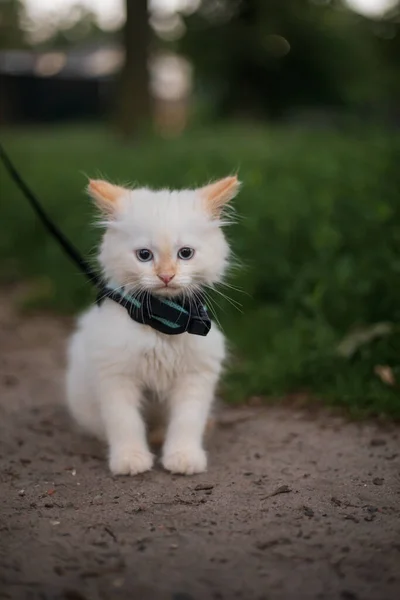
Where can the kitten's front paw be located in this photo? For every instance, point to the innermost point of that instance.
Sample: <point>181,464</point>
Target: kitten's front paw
<point>185,461</point>
<point>130,461</point>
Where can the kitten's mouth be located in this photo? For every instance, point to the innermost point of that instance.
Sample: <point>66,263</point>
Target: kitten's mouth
<point>167,290</point>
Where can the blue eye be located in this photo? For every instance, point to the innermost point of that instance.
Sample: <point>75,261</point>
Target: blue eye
<point>186,253</point>
<point>144,255</point>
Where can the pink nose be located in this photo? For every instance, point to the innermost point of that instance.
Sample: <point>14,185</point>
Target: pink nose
<point>166,278</point>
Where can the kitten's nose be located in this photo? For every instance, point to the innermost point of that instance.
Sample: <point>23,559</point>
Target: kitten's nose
<point>165,278</point>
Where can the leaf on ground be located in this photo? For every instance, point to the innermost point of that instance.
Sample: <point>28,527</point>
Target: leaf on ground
<point>385,374</point>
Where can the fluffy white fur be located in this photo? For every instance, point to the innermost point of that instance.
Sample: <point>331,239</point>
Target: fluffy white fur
<point>117,367</point>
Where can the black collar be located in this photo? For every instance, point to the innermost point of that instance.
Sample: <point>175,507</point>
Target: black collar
<point>169,316</point>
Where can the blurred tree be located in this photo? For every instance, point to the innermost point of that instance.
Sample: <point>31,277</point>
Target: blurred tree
<point>134,105</point>
<point>263,58</point>
<point>11,33</point>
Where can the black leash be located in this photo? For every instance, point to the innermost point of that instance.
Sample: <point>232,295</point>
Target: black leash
<point>68,248</point>
<point>167,316</point>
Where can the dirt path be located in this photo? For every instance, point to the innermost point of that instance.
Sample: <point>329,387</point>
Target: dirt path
<point>293,506</point>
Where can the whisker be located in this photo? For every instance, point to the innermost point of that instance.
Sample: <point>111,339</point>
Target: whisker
<point>190,305</point>
<point>234,303</point>
<point>210,303</point>
<point>233,287</point>
<point>117,289</point>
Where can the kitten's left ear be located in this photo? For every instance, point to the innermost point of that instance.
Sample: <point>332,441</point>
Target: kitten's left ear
<point>106,195</point>
<point>217,194</point>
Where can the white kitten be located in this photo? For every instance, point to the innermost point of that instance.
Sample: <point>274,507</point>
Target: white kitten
<point>117,364</point>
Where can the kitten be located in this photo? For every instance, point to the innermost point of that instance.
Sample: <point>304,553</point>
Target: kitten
<point>166,243</point>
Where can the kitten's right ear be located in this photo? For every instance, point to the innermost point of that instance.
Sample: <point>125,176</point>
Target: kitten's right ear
<point>219,193</point>
<point>106,195</point>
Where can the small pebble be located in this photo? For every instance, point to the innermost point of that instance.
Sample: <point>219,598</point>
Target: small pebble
<point>351,518</point>
<point>375,443</point>
<point>369,518</point>
<point>378,481</point>
<point>203,486</point>
<point>21,493</point>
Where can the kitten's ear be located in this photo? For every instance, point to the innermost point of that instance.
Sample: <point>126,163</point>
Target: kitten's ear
<point>105,195</point>
<point>217,194</point>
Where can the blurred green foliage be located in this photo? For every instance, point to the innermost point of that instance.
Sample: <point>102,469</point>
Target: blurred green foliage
<point>318,236</point>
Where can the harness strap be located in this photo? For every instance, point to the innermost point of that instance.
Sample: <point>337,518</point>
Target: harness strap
<point>165,315</point>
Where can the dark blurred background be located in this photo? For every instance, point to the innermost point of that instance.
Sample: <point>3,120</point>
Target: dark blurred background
<point>304,60</point>
<point>302,97</point>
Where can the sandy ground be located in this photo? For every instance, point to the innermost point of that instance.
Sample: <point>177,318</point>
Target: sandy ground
<point>294,505</point>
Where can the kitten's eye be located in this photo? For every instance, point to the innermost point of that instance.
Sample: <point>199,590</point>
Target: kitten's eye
<point>186,253</point>
<point>144,255</point>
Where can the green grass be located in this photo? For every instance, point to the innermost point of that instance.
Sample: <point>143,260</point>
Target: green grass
<point>319,236</point>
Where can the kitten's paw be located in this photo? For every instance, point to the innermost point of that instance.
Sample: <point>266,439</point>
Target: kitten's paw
<point>130,461</point>
<point>185,461</point>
